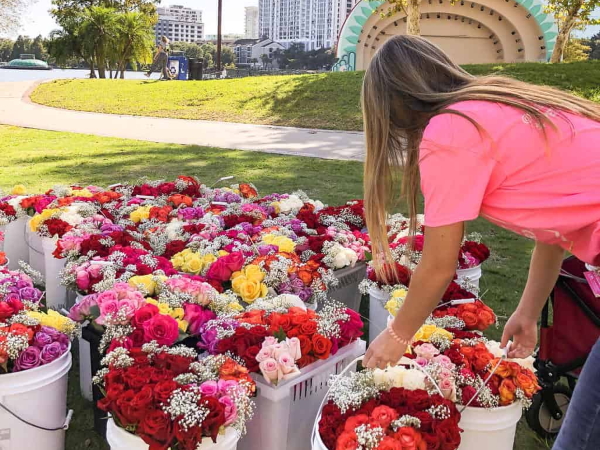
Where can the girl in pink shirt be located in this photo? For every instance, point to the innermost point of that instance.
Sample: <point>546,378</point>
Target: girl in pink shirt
<point>524,157</point>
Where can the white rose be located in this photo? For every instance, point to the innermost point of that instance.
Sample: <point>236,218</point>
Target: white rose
<point>380,377</point>
<point>293,300</point>
<point>174,229</point>
<point>413,379</point>
<point>290,204</point>
<point>318,205</point>
<point>396,376</point>
<point>494,349</point>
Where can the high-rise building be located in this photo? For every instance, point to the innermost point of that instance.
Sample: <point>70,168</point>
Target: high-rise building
<point>251,22</point>
<point>313,24</point>
<point>179,24</point>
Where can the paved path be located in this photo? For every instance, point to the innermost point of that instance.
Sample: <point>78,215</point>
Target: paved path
<point>17,109</point>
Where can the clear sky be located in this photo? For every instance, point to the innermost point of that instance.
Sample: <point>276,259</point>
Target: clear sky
<point>37,20</point>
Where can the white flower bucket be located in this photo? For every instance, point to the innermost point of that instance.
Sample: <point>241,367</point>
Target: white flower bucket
<point>56,294</point>
<point>120,439</point>
<point>286,413</point>
<point>472,275</point>
<point>2,230</point>
<point>37,401</point>
<point>15,245</point>
<point>489,429</point>
<point>36,251</point>
<point>85,365</point>
<point>378,315</point>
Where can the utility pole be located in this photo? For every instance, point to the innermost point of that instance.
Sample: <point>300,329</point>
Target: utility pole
<point>219,35</point>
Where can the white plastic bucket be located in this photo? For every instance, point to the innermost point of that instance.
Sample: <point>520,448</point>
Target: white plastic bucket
<point>36,251</point>
<point>286,412</point>
<point>120,439</point>
<point>15,246</point>
<point>85,365</point>
<point>38,396</point>
<point>378,315</point>
<point>56,294</point>
<point>489,429</point>
<point>2,230</point>
<point>472,275</point>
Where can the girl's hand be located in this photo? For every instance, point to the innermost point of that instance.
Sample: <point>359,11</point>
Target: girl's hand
<point>383,351</point>
<point>523,331</point>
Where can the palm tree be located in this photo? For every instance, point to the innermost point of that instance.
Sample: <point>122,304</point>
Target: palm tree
<point>99,31</point>
<point>134,40</point>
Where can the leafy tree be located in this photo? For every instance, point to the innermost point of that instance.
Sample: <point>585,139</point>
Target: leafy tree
<point>265,60</point>
<point>134,40</point>
<point>99,32</point>
<point>6,48</point>
<point>22,45</point>
<point>570,15</point>
<point>594,44</point>
<point>577,50</point>
<point>190,50</point>
<point>10,14</point>
<point>38,48</point>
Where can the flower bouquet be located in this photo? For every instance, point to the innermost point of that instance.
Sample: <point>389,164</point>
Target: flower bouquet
<point>387,410</point>
<point>169,398</point>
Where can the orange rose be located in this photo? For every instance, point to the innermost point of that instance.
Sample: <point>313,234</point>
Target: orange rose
<point>485,319</point>
<point>469,307</point>
<point>507,392</point>
<point>410,439</point>
<point>248,191</point>
<point>527,384</point>
<point>467,352</point>
<point>481,359</point>
<point>515,368</point>
<point>305,276</point>
<point>321,346</point>
<point>65,201</point>
<point>503,370</point>
<point>470,319</point>
<point>179,199</point>
<point>347,441</point>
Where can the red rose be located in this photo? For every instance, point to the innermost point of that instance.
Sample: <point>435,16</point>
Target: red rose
<point>123,408</point>
<point>219,271</point>
<point>234,261</point>
<point>384,415</point>
<point>321,346</point>
<point>162,329</point>
<point>216,417</point>
<point>389,443</point>
<point>309,327</point>
<point>172,248</point>
<point>305,344</point>
<point>305,360</point>
<point>347,441</point>
<point>144,314</point>
<point>352,423</point>
<point>156,429</point>
<point>142,401</point>
<point>277,321</point>
<point>418,399</point>
<point>114,391</point>
<point>448,434</point>
<point>164,389</point>
<point>136,377</point>
<point>467,393</point>
<point>481,359</point>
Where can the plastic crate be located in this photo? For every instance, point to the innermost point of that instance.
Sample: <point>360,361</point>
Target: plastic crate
<point>285,414</point>
<point>347,289</point>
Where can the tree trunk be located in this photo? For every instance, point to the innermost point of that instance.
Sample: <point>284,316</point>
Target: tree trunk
<point>92,69</point>
<point>564,33</point>
<point>413,10</point>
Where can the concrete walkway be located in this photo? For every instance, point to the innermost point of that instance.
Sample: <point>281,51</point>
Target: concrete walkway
<point>16,109</point>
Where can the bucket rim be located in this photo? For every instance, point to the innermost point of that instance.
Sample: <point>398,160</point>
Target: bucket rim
<point>36,370</point>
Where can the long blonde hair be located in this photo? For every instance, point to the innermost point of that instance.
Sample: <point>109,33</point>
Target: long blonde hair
<point>409,81</point>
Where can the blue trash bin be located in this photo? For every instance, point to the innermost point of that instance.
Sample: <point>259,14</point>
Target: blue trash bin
<point>178,66</point>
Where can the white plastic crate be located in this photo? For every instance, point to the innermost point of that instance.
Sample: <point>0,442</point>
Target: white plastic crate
<point>285,414</point>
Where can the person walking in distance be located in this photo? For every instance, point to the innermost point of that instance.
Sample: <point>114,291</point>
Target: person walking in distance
<point>161,60</point>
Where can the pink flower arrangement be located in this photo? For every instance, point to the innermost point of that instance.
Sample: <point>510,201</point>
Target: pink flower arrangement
<point>277,360</point>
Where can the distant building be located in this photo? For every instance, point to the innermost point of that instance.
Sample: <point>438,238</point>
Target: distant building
<point>251,23</point>
<point>226,39</point>
<point>179,24</point>
<point>250,51</point>
<point>314,24</point>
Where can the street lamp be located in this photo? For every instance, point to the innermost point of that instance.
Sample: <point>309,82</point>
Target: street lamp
<point>220,10</point>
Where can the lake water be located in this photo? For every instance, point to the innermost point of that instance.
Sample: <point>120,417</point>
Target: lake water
<point>57,74</point>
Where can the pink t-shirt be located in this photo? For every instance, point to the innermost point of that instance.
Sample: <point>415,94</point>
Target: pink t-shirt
<point>508,175</point>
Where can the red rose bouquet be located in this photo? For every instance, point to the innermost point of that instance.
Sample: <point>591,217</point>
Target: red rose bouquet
<point>170,399</point>
<point>472,254</point>
<point>367,411</point>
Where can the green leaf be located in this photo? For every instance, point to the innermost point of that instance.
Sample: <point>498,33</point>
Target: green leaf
<point>280,335</point>
<point>368,256</point>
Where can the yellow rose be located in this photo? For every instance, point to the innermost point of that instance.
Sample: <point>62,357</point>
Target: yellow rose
<point>276,206</point>
<point>393,305</point>
<point>425,332</point>
<point>83,193</point>
<point>178,260</point>
<point>142,213</point>
<point>223,253</point>
<point>254,273</point>
<point>208,259</point>
<point>400,293</point>
<point>183,325</point>
<point>19,189</point>
<point>151,301</point>
<point>164,308</point>
<point>235,307</point>
<point>54,320</point>
<point>285,244</point>
<point>177,313</point>
<point>250,290</point>
<point>144,283</point>
<point>193,264</point>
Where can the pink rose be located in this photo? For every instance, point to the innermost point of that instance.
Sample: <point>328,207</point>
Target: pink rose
<point>264,354</point>
<point>287,364</point>
<point>234,261</point>
<point>270,370</point>
<point>162,329</point>
<point>421,361</point>
<point>427,351</point>
<point>83,280</point>
<point>108,307</point>
<point>107,296</point>
<point>219,271</point>
<point>294,348</point>
<point>95,270</point>
<point>229,409</point>
<point>226,386</point>
<point>129,307</point>
<point>269,341</point>
<point>210,388</point>
<point>279,349</point>
<point>448,388</point>
<point>444,361</point>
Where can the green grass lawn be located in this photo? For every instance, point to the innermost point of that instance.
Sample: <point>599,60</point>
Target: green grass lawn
<point>328,101</point>
<point>41,159</point>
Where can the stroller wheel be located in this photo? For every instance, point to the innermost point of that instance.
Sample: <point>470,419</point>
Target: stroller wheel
<point>539,416</point>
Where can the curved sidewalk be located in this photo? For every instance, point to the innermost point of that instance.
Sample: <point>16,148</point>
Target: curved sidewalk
<point>16,109</point>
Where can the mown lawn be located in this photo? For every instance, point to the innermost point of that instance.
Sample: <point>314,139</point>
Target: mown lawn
<point>41,159</point>
<point>327,101</point>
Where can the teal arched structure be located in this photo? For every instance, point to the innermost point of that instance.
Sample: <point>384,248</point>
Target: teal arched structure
<point>470,31</point>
